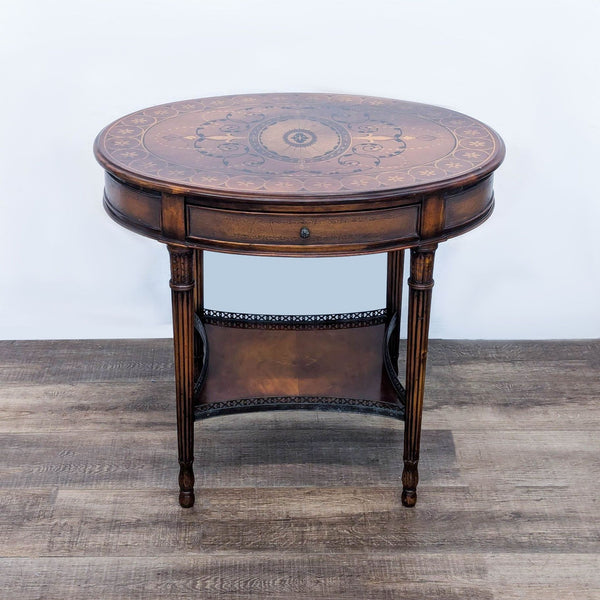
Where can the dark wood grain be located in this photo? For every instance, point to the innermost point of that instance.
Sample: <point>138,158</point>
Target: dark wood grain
<point>272,232</point>
<point>342,363</point>
<point>247,173</point>
<point>183,298</point>
<point>420,285</point>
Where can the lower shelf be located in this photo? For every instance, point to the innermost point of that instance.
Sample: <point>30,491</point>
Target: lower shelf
<point>324,362</point>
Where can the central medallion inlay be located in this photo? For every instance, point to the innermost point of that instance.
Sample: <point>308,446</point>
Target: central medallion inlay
<point>300,137</point>
<point>297,144</point>
<point>300,140</point>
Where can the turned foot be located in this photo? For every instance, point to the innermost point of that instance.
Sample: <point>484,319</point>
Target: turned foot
<point>186,486</point>
<point>409,498</point>
<point>186,499</point>
<point>410,479</point>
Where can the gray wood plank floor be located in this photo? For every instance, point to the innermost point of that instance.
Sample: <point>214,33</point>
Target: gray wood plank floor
<point>299,505</point>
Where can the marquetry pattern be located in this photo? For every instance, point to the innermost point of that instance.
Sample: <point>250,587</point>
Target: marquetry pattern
<point>297,144</point>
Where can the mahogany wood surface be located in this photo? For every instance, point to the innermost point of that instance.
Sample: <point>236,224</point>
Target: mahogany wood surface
<point>182,293</point>
<point>249,173</point>
<point>299,175</point>
<point>340,363</point>
<point>420,284</point>
<point>298,147</point>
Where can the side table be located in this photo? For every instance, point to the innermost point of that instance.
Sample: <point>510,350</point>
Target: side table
<point>299,175</point>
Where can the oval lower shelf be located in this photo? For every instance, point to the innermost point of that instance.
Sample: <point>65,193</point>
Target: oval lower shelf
<point>335,362</point>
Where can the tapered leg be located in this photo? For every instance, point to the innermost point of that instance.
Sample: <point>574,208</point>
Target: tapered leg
<point>182,297</point>
<point>420,284</point>
<point>395,275</point>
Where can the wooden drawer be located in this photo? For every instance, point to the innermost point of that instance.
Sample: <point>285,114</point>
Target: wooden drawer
<point>302,232</point>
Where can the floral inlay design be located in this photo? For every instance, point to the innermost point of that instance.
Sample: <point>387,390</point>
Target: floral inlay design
<point>297,144</point>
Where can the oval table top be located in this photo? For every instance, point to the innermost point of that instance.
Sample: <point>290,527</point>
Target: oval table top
<point>298,146</point>
<point>298,174</point>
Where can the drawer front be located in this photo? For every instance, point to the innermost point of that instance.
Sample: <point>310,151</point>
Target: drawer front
<point>302,233</point>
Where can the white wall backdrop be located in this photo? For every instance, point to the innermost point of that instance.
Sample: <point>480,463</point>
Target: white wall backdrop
<point>527,68</point>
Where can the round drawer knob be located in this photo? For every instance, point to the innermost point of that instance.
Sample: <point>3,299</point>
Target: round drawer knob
<point>305,232</point>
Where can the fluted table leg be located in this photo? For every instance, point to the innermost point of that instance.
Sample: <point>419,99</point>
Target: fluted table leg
<point>182,296</point>
<point>420,283</point>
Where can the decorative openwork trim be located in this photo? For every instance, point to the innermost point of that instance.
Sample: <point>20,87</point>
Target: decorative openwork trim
<point>326,403</point>
<point>330,321</point>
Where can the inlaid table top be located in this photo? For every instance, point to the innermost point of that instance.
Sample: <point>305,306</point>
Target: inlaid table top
<point>298,146</point>
<point>299,175</point>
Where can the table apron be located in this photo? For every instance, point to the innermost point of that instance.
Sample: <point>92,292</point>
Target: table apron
<point>429,218</point>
